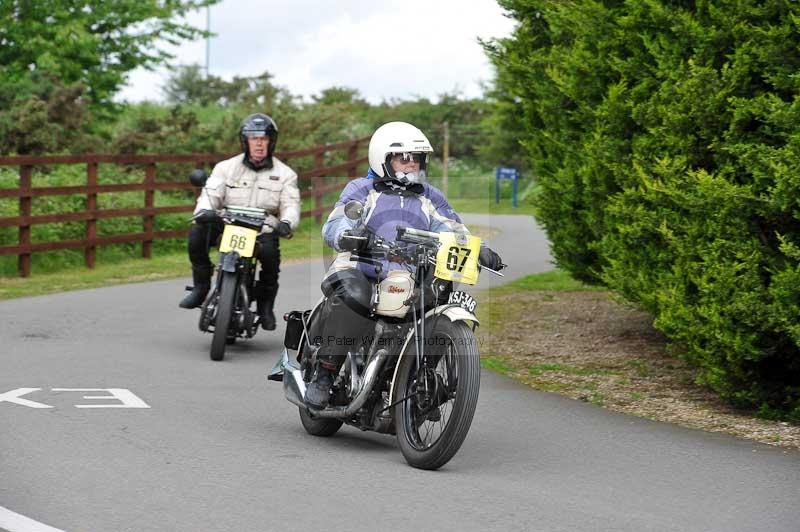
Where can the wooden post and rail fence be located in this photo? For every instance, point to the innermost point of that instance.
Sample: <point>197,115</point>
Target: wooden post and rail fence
<point>311,185</point>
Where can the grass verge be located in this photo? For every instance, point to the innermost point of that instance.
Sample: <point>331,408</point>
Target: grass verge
<point>306,243</point>
<point>559,335</point>
<point>486,206</point>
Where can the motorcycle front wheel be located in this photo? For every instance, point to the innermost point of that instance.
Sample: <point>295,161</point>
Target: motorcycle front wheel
<point>319,426</point>
<point>441,396</point>
<point>227,296</point>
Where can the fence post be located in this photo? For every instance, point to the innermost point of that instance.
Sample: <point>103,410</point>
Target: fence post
<point>24,258</point>
<point>352,155</point>
<point>90,251</point>
<point>446,158</point>
<point>149,203</point>
<point>316,184</point>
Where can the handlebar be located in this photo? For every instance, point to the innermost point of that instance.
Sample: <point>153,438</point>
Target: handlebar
<point>416,236</point>
<point>252,221</point>
<point>429,240</point>
<point>252,218</point>
<point>247,217</point>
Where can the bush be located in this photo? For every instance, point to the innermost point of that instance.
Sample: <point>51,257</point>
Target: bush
<point>665,136</point>
<point>39,114</point>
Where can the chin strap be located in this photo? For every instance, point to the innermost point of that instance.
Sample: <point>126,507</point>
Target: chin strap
<point>265,163</point>
<point>410,177</point>
<point>394,187</point>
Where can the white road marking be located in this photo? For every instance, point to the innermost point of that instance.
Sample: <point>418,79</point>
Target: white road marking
<point>14,522</point>
<point>14,396</point>
<point>126,397</point>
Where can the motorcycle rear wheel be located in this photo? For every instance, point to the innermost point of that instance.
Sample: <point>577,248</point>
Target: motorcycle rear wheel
<point>227,296</point>
<point>433,422</point>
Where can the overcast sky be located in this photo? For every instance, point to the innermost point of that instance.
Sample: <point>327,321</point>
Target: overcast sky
<point>384,48</point>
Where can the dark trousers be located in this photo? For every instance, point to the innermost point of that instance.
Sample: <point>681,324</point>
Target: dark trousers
<point>268,252</point>
<point>344,316</point>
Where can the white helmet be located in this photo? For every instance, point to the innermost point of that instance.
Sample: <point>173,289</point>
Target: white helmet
<point>394,138</point>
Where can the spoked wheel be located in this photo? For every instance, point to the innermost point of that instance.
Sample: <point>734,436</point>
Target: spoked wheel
<point>227,295</point>
<point>318,426</point>
<point>441,396</point>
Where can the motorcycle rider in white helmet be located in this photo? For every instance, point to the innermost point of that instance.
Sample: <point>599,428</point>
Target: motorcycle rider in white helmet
<point>394,192</point>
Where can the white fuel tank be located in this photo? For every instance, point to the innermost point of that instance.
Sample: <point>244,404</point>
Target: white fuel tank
<point>393,292</point>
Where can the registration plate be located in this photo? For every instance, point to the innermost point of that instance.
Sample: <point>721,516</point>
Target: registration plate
<point>464,300</point>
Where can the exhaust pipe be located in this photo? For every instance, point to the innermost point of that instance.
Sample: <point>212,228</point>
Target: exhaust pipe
<point>294,388</point>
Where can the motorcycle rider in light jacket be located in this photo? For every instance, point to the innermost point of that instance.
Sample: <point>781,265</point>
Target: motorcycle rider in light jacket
<point>394,192</point>
<point>255,178</point>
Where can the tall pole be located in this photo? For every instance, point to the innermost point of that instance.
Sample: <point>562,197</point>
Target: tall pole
<point>208,37</point>
<point>445,157</point>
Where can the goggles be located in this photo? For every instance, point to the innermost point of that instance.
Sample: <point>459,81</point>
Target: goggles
<point>407,157</point>
<point>254,133</point>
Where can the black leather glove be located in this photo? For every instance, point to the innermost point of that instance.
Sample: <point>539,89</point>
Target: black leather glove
<point>353,240</point>
<point>206,216</point>
<point>284,229</point>
<point>490,259</point>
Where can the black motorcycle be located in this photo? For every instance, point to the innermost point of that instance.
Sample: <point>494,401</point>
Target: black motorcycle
<point>226,311</point>
<point>417,373</point>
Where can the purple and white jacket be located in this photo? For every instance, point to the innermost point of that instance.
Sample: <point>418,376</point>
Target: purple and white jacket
<point>383,212</point>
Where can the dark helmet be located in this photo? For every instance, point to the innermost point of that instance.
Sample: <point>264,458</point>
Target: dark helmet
<point>258,125</point>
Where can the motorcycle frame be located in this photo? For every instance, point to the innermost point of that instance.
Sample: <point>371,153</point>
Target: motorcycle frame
<point>245,269</point>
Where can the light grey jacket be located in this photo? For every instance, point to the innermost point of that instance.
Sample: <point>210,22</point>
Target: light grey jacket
<point>275,190</point>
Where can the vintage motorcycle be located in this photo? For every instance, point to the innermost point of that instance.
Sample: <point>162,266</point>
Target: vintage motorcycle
<point>226,311</point>
<point>417,373</point>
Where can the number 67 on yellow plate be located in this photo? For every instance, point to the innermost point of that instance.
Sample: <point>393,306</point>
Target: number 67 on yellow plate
<point>457,259</point>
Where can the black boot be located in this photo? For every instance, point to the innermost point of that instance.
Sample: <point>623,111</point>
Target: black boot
<point>266,303</point>
<point>201,275</point>
<point>318,391</point>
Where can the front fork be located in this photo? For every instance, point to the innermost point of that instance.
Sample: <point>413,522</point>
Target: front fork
<point>243,317</point>
<point>246,320</point>
<point>426,387</point>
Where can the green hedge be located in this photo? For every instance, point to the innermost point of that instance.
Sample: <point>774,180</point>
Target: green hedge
<point>666,139</point>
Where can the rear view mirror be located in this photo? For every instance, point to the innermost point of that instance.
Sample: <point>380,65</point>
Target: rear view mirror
<point>353,209</point>
<point>198,177</point>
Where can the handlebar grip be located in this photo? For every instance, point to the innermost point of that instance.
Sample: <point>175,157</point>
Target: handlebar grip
<point>361,258</point>
<point>207,216</point>
<point>415,236</point>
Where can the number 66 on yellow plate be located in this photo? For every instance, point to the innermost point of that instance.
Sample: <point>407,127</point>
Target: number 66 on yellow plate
<point>457,259</point>
<point>239,239</point>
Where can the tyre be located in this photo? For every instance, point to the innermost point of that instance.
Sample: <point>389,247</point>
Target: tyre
<point>227,295</point>
<point>442,395</point>
<point>318,426</point>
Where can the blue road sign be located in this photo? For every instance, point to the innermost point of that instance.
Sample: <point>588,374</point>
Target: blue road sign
<point>506,173</point>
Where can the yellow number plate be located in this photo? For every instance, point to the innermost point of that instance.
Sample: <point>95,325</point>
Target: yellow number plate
<point>457,259</point>
<point>238,239</point>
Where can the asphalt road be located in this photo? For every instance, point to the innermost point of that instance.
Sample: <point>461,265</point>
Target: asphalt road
<point>215,447</point>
